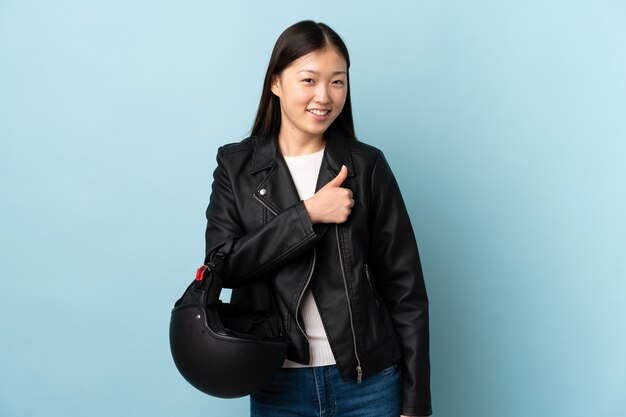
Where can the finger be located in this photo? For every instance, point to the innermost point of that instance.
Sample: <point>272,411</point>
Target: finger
<point>339,179</point>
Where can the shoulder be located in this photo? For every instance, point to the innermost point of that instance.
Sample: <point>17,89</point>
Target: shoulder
<point>244,145</point>
<point>372,160</point>
<point>365,154</point>
<point>359,147</point>
<point>240,152</point>
<point>235,157</point>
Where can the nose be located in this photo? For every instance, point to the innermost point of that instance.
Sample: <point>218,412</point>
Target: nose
<point>322,94</point>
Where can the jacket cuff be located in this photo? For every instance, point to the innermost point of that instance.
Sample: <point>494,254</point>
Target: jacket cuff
<point>305,219</point>
<point>417,412</point>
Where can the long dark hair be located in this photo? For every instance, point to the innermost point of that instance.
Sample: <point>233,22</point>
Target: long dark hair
<point>296,41</point>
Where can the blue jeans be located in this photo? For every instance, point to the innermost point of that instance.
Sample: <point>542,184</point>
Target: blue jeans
<point>320,392</point>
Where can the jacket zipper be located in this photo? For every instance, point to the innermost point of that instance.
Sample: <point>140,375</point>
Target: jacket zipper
<point>306,284</point>
<point>359,370</point>
<point>369,281</point>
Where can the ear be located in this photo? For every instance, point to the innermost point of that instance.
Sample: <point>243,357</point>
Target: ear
<point>275,87</point>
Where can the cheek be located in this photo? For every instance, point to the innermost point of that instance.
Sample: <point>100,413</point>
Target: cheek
<point>295,99</point>
<point>339,97</point>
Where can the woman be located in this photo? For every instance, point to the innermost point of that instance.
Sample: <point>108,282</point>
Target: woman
<point>321,228</point>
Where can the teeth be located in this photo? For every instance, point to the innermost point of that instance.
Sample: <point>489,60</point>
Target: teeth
<point>319,112</point>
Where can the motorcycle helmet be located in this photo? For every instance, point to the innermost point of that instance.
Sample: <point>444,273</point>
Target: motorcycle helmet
<point>219,350</point>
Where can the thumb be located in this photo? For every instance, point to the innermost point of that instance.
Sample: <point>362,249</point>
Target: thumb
<point>339,179</point>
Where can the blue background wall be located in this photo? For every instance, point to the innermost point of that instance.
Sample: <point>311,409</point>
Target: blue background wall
<point>503,120</point>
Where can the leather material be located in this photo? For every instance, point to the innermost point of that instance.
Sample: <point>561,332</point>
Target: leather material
<point>365,274</point>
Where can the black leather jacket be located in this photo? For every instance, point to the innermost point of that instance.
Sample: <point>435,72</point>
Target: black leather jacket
<point>364,274</point>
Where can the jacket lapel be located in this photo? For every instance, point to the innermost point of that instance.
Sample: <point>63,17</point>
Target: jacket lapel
<point>336,154</point>
<point>276,189</point>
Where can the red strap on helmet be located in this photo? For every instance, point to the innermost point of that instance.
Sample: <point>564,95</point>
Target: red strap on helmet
<point>200,273</point>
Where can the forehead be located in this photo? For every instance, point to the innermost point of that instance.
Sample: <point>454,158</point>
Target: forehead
<point>323,60</point>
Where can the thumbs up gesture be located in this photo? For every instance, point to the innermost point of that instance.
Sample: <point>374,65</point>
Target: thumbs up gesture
<point>331,204</point>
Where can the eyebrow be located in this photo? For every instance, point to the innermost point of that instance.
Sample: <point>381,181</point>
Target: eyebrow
<point>317,73</point>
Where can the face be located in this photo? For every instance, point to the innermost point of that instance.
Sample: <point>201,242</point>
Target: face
<point>312,91</point>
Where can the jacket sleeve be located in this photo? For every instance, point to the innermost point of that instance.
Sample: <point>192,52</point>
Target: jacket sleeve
<point>253,254</point>
<point>394,259</point>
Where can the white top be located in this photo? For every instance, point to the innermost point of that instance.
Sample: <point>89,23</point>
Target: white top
<point>304,170</point>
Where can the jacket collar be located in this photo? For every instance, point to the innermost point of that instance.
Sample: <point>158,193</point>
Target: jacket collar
<point>336,153</point>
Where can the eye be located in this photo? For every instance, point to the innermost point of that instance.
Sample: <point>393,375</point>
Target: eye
<point>338,82</point>
<point>308,81</point>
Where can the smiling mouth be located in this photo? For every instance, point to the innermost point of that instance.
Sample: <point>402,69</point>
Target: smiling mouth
<point>318,112</point>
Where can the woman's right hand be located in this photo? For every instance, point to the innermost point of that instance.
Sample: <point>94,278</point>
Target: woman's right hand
<point>331,204</point>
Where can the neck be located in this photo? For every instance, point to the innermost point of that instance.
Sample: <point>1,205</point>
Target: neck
<point>291,144</point>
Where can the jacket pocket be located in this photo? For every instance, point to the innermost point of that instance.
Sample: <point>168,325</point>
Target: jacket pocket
<point>369,281</point>
<point>375,332</point>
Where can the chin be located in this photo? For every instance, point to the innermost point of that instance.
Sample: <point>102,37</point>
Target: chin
<point>320,130</point>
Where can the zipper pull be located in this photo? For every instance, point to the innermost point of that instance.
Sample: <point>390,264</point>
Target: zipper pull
<point>359,374</point>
